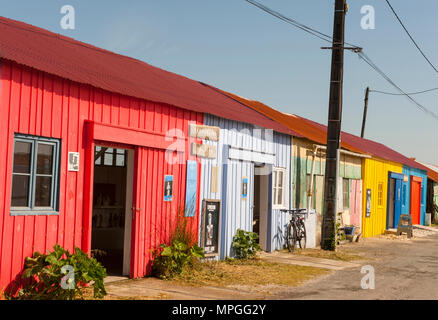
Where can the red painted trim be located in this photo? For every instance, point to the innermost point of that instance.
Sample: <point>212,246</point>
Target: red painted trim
<point>127,135</point>
<point>88,191</point>
<point>113,145</point>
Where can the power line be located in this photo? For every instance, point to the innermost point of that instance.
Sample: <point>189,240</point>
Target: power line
<point>360,53</point>
<point>293,22</point>
<point>412,39</point>
<point>365,58</point>
<point>401,94</point>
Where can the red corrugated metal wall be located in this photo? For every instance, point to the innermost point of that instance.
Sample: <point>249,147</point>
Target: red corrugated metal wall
<point>33,102</point>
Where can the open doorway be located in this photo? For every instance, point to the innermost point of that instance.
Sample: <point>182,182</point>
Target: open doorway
<point>391,212</point>
<point>112,201</point>
<point>395,181</point>
<point>260,210</point>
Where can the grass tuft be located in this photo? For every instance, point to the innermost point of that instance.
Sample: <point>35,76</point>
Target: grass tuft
<point>250,272</point>
<point>334,255</point>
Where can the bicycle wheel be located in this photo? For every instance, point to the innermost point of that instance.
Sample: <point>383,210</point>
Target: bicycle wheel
<point>291,238</point>
<point>302,236</point>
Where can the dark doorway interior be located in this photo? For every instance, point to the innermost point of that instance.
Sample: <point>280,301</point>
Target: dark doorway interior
<point>391,197</point>
<point>256,211</point>
<point>260,205</point>
<point>109,201</point>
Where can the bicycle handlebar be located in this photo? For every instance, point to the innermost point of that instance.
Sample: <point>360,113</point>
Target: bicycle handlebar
<point>295,211</point>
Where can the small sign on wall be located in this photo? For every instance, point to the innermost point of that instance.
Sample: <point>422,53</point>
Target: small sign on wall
<point>210,226</point>
<point>244,188</point>
<point>168,187</point>
<point>368,208</point>
<point>73,161</point>
<point>204,132</point>
<point>204,150</point>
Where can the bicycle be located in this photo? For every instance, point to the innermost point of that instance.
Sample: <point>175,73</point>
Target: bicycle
<point>296,230</point>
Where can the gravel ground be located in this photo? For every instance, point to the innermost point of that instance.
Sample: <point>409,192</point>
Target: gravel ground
<point>418,232</point>
<point>404,269</point>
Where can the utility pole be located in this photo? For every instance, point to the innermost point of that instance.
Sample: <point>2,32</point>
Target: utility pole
<point>365,108</point>
<point>328,237</point>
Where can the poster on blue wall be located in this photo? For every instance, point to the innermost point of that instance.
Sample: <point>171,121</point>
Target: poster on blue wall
<point>245,188</point>
<point>168,187</point>
<point>191,187</point>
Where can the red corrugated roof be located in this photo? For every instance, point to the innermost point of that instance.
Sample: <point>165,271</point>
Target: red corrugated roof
<point>432,172</point>
<point>318,132</point>
<point>84,63</point>
<point>372,148</point>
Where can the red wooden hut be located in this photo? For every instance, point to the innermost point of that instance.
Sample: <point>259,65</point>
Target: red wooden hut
<point>83,140</point>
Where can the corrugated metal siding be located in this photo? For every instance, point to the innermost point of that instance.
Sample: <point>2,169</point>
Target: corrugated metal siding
<point>279,221</point>
<point>375,171</point>
<point>33,102</point>
<point>237,213</point>
<point>406,187</point>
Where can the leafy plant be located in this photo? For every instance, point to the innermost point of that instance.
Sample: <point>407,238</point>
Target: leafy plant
<point>60,275</point>
<point>245,244</point>
<point>170,259</point>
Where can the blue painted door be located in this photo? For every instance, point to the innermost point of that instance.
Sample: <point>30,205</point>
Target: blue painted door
<point>397,201</point>
<point>394,207</point>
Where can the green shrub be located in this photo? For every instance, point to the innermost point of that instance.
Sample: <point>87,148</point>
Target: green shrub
<point>181,251</point>
<point>46,277</point>
<point>245,244</point>
<point>170,260</point>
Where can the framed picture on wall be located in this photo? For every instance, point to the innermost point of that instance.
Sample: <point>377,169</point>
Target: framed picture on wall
<point>210,226</point>
<point>168,187</point>
<point>244,188</point>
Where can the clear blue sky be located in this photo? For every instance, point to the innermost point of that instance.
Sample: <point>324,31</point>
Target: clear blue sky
<point>237,47</point>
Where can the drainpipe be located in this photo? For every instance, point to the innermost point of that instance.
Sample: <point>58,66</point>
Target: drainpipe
<point>310,190</point>
<point>290,171</point>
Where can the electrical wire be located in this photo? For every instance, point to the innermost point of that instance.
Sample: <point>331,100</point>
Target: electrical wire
<point>293,22</point>
<point>401,94</point>
<point>412,39</point>
<point>367,60</point>
<point>360,53</point>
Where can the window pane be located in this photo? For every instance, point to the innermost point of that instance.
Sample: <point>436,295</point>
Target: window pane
<point>22,155</point>
<point>280,196</point>
<point>280,179</point>
<point>120,160</point>
<point>108,159</point>
<point>44,158</point>
<point>20,191</point>
<point>275,179</point>
<point>43,192</point>
<point>275,195</point>
<point>346,193</point>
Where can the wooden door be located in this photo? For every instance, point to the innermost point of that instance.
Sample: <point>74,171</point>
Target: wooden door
<point>415,201</point>
<point>355,202</point>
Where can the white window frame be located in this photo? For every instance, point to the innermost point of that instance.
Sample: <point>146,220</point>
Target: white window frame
<point>31,209</point>
<point>276,186</point>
